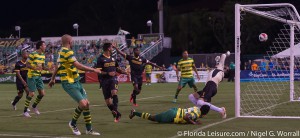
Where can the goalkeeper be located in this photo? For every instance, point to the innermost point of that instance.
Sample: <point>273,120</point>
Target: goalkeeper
<point>175,115</point>
<point>204,96</point>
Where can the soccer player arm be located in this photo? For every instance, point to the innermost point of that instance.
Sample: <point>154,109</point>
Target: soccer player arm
<point>119,51</point>
<point>85,68</point>
<point>44,67</point>
<point>189,120</point>
<point>52,81</point>
<point>177,74</point>
<point>152,64</point>
<point>17,70</point>
<point>195,69</point>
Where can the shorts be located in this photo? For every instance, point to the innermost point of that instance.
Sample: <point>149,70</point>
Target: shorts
<point>137,79</point>
<point>209,91</point>
<point>189,81</point>
<point>167,116</point>
<point>108,85</point>
<point>148,75</point>
<point>20,86</point>
<point>75,90</point>
<point>35,83</point>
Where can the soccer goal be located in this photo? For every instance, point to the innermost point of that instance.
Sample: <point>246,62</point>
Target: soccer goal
<point>274,91</point>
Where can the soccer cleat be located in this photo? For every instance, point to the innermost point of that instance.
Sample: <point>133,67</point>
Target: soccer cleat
<point>149,84</point>
<point>135,105</point>
<point>131,115</point>
<point>74,129</point>
<point>118,117</point>
<point>28,110</point>
<point>14,106</point>
<point>175,100</point>
<point>91,132</point>
<point>36,111</point>
<point>146,83</point>
<point>26,114</point>
<point>223,113</point>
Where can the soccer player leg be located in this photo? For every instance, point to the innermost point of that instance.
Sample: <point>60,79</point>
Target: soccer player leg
<point>40,88</point>
<point>167,116</point>
<point>114,89</point>
<point>220,66</point>
<point>107,95</point>
<point>193,98</point>
<point>20,88</point>
<point>143,115</point>
<point>32,88</point>
<point>181,84</point>
<point>192,84</point>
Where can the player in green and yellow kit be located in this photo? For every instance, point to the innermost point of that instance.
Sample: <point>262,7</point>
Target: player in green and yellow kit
<point>148,71</point>
<point>186,65</point>
<point>175,115</point>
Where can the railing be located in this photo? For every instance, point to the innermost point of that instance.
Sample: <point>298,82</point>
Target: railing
<point>13,56</point>
<point>153,50</point>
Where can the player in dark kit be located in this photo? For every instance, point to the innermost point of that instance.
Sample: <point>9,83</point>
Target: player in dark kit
<point>137,65</point>
<point>21,81</point>
<point>109,82</point>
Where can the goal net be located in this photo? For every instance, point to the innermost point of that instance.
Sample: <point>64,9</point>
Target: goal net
<point>272,91</point>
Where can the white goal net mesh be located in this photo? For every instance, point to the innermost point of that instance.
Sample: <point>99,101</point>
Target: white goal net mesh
<point>267,92</point>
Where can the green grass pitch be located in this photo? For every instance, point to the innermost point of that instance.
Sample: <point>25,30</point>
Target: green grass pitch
<point>57,109</point>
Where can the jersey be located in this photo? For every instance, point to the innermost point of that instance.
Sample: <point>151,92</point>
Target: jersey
<point>35,60</point>
<point>21,66</point>
<point>186,67</point>
<point>148,68</point>
<point>106,64</point>
<point>193,112</point>
<point>136,64</point>
<point>66,69</point>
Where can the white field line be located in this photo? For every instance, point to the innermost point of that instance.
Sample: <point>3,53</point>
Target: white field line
<point>60,110</point>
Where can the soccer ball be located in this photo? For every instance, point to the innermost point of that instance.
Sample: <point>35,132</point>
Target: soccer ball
<point>263,37</point>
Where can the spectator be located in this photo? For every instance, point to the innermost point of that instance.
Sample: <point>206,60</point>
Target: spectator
<point>132,42</point>
<point>231,72</point>
<point>162,78</point>
<point>263,65</point>
<point>170,68</point>
<point>254,66</point>
<point>80,50</point>
<point>152,43</point>
<point>271,65</point>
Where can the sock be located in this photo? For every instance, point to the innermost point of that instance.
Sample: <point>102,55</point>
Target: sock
<point>16,100</point>
<point>177,92</point>
<point>195,88</point>
<point>76,115</point>
<point>134,93</point>
<point>193,99</point>
<point>27,102</point>
<point>87,119</point>
<point>146,116</point>
<point>115,101</point>
<point>212,107</point>
<point>143,115</point>
<point>37,101</point>
<point>110,107</point>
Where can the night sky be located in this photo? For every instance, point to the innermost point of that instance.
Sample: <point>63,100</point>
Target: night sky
<point>55,17</point>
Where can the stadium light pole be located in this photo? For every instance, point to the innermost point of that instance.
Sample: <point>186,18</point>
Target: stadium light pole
<point>76,26</point>
<point>149,23</point>
<point>18,28</point>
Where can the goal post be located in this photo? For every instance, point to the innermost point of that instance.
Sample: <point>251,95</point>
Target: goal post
<point>270,93</point>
